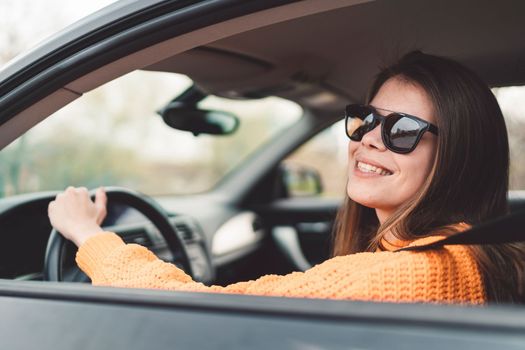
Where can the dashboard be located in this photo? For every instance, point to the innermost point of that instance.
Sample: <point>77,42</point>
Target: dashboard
<point>25,229</point>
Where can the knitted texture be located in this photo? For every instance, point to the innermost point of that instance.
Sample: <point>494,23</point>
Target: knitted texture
<point>446,275</point>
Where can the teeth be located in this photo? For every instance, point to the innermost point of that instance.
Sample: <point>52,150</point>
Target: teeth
<point>368,168</point>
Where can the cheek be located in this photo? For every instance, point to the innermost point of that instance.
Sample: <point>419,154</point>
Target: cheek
<point>352,147</point>
<point>427,156</point>
<point>415,168</point>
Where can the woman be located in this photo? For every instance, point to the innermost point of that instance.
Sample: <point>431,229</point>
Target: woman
<point>428,156</point>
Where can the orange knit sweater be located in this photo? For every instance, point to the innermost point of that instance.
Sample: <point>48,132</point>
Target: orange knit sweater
<point>448,275</point>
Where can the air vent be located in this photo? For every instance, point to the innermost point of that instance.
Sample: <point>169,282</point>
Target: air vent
<point>138,237</point>
<point>184,231</point>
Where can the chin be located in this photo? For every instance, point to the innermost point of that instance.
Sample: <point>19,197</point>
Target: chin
<point>372,199</point>
<point>363,200</point>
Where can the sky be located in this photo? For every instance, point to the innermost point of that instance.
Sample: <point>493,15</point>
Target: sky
<point>25,23</point>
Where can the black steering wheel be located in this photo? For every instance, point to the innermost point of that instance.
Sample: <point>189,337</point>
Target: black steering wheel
<point>57,251</point>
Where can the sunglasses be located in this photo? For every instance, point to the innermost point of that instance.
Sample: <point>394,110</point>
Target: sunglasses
<point>400,132</point>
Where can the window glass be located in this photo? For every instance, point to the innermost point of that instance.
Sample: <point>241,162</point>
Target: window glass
<point>327,153</point>
<point>512,102</point>
<point>113,136</point>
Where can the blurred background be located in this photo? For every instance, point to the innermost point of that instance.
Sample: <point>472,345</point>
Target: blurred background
<point>113,135</point>
<point>25,23</point>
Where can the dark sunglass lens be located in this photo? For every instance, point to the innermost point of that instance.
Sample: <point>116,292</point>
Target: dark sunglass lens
<point>403,132</point>
<point>357,126</point>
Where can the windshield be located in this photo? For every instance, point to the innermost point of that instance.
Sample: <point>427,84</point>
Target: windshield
<point>112,136</point>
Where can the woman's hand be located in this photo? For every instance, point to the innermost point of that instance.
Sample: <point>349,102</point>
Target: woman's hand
<point>74,214</point>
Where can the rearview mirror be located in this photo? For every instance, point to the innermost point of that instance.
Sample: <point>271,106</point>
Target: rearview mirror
<point>198,121</point>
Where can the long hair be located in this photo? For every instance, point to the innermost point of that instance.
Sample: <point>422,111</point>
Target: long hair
<point>468,181</point>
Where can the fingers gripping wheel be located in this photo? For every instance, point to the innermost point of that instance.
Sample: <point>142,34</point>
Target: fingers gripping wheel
<point>57,244</point>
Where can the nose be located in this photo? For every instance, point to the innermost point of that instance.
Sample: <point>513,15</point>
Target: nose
<point>372,139</point>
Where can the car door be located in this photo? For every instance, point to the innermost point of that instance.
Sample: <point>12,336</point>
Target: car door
<point>68,316</point>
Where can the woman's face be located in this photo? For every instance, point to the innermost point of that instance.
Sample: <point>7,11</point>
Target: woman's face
<point>405,173</point>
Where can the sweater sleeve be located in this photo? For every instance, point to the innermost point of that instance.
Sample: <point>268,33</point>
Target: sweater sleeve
<point>446,275</point>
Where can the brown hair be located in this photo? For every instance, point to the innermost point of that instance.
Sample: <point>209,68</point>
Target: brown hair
<point>468,181</point>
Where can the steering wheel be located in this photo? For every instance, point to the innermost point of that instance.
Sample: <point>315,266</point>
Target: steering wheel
<point>57,251</point>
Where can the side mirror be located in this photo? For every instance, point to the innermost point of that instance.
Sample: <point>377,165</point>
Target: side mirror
<point>198,121</point>
<point>300,181</point>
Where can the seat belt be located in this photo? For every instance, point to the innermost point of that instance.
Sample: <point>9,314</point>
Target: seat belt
<point>506,229</point>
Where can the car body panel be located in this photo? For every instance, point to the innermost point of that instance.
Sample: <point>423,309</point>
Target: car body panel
<point>72,316</point>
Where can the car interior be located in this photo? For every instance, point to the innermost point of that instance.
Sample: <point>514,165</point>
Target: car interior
<point>321,55</point>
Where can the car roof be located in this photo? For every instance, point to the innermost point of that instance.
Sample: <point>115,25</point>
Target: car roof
<point>338,52</point>
<point>326,55</point>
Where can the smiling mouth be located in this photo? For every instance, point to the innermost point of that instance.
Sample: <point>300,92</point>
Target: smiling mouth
<point>369,168</point>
